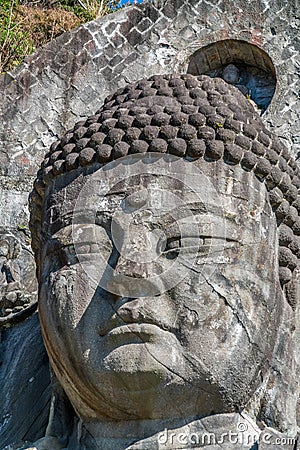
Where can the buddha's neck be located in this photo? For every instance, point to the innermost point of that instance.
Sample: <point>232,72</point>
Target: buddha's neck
<point>165,434</point>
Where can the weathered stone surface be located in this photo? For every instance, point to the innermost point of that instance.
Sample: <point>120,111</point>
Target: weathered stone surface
<point>159,275</point>
<point>68,78</point>
<point>182,95</point>
<point>66,81</point>
<point>18,285</point>
<point>25,383</point>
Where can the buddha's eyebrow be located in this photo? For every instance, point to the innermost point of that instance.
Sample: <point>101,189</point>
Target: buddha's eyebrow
<point>116,192</point>
<point>203,207</point>
<point>194,209</point>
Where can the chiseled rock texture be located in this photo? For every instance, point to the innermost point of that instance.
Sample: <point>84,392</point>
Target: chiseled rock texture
<point>66,81</point>
<point>70,76</point>
<point>141,335</point>
<point>25,383</point>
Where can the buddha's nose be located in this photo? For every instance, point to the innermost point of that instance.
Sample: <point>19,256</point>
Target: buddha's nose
<point>135,265</point>
<point>132,268</point>
<point>137,251</point>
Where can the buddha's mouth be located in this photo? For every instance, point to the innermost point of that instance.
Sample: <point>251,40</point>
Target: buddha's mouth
<point>134,333</point>
<point>134,319</point>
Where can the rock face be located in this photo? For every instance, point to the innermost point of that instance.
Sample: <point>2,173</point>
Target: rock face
<point>66,81</point>
<point>25,383</point>
<point>68,78</point>
<point>166,235</point>
<point>24,375</point>
<point>19,286</point>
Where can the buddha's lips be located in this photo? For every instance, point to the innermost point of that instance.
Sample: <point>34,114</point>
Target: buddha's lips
<point>126,315</point>
<point>134,333</point>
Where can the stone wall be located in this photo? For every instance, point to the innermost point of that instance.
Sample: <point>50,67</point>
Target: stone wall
<point>68,79</point>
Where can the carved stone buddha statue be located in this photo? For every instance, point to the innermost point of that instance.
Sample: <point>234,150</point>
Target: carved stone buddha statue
<point>166,235</point>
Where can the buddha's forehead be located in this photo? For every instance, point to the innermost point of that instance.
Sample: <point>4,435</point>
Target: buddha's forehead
<point>213,188</point>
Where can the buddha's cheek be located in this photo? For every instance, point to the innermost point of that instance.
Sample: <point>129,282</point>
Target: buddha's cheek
<point>228,326</point>
<point>64,298</point>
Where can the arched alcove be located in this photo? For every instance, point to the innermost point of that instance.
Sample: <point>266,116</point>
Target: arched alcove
<point>240,63</point>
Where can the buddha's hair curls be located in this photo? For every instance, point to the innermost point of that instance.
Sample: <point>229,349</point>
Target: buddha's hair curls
<point>190,117</point>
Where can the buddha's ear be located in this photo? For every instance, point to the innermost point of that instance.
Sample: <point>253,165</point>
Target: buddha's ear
<point>292,289</point>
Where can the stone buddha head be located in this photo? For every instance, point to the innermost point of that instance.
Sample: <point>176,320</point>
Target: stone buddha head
<point>166,234</point>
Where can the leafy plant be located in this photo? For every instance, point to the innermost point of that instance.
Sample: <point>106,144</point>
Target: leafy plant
<point>26,25</point>
<point>15,43</point>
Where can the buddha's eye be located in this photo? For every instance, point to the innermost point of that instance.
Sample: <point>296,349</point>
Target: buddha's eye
<point>189,245</point>
<point>172,247</point>
<point>67,255</point>
<point>59,254</point>
<point>91,250</point>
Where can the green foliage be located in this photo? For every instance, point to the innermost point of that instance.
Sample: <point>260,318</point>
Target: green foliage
<point>26,25</point>
<point>22,227</point>
<point>85,10</point>
<point>5,5</point>
<point>15,42</point>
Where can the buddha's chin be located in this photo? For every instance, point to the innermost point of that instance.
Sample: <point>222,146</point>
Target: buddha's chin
<point>150,391</point>
<point>133,367</point>
<point>140,357</point>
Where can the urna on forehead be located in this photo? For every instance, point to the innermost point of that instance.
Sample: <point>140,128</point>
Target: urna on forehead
<point>190,117</point>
